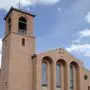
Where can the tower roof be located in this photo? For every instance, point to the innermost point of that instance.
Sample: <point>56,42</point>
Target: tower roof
<point>11,9</point>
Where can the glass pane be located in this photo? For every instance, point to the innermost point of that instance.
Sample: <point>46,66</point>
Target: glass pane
<point>44,74</point>
<point>58,80</point>
<point>71,78</point>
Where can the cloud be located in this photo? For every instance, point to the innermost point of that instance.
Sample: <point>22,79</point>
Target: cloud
<point>83,48</point>
<point>84,33</point>
<point>87,18</point>
<point>0,51</point>
<point>81,35</point>
<point>78,45</point>
<point>7,4</point>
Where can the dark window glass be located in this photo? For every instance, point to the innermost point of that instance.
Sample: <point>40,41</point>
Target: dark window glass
<point>88,87</point>
<point>9,24</point>
<point>22,25</point>
<point>23,42</point>
<point>71,77</point>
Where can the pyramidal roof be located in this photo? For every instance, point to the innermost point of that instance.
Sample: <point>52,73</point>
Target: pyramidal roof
<point>18,10</point>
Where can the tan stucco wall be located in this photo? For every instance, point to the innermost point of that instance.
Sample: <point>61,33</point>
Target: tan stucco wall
<point>85,83</point>
<point>22,75</point>
<point>16,69</point>
<point>55,55</point>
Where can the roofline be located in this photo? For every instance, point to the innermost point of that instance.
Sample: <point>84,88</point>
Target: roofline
<point>11,9</point>
<point>50,50</point>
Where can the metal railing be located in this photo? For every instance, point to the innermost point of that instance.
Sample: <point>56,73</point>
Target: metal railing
<point>21,31</point>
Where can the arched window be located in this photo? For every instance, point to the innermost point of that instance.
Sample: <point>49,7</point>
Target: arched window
<point>44,74</point>
<point>9,24</point>
<point>47,74</point>
<point>22,25</point>
<point>58,76</point>
<point>71,77</point>
<point>61,76</point>
<point>74,76</point>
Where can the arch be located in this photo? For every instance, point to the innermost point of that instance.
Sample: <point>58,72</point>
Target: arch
<point>47,73</point>
<point>22,25</point>
<point>22,19</point>
<point>74,76</point>
<point>47,58</point>
<point>75,64</point>
<point>61,73</point>
<point>62,61</point>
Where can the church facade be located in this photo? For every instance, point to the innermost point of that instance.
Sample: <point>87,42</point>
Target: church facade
<point>23,69</point>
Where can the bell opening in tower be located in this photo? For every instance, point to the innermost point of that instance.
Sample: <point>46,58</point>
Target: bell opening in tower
<point>22,25</point>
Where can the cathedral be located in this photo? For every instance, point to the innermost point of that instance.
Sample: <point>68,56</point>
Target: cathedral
<point>23,69</point>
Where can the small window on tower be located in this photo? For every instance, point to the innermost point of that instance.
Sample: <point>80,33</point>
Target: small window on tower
<point>88,87</point>
<point>22,25</point>
<point>23,42</point>
<point>9,24</point>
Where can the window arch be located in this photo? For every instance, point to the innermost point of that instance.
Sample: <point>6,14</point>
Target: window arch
<point>22,25</point>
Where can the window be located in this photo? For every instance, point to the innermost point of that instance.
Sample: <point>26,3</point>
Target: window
<point>22,25</point>
<point>9,24</point>
<point>88,87</point>
<point>6,83</point>
<point>44,74</point>
<point>23,42</point>
<point>58,79</point>
<point>71,77</point>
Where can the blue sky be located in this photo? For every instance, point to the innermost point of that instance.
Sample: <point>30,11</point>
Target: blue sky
<point>58,24</point>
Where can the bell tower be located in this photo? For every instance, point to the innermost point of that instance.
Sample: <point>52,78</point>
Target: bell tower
<point>18,47</point>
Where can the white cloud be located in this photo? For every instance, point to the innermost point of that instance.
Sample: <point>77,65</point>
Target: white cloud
<point>0,51</point>
<point>6,4</point>
<point>81,35</point>
<point>83,48</point>
<point>84,33</point>
<point>87,18</point>
<point>78,45</point>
